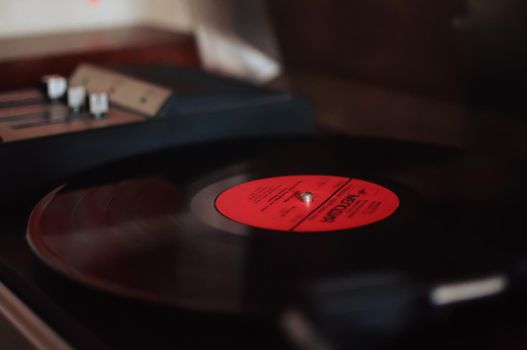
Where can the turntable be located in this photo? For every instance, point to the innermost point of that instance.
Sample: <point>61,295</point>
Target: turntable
<point>166,208</point>
<point>274,242</point>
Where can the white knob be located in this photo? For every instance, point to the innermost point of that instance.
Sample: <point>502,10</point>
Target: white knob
<point>55,86</point>
<point>99,104</point>
<point>76,97</point>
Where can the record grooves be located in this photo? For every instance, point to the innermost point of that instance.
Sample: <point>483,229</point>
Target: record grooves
<point>236,236</point>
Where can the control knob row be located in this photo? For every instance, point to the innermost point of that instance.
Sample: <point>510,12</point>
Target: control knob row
<point>56,87</point>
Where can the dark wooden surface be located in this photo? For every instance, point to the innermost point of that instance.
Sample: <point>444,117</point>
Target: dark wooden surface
<point>471,52</point>
<point>24,60</point>
<point>409,45</point>
<point>448,72</point>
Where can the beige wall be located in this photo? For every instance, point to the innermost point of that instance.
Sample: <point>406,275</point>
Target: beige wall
<point>23,17</point>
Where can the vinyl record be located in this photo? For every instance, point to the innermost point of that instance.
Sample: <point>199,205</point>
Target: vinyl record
<point>239,226</point>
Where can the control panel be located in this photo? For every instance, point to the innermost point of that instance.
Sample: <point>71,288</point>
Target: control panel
<point>92,97</point>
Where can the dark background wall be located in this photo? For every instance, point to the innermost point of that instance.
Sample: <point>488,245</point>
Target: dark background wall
<point>460,50</point>
<point>409,44</point>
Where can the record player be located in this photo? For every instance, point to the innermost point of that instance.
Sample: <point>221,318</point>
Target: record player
<point>307,242</point>
<point>162,208</point>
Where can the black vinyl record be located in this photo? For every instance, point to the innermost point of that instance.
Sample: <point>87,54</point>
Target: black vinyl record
<point>151,227</point>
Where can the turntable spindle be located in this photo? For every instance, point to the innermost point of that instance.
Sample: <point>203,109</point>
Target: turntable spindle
<point>306,197</point>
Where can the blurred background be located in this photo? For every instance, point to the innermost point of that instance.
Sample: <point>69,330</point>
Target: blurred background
<point>434,71</point>
<point>21,18</point>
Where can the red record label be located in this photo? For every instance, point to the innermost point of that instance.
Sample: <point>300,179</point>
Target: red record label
<point>307,203</point>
